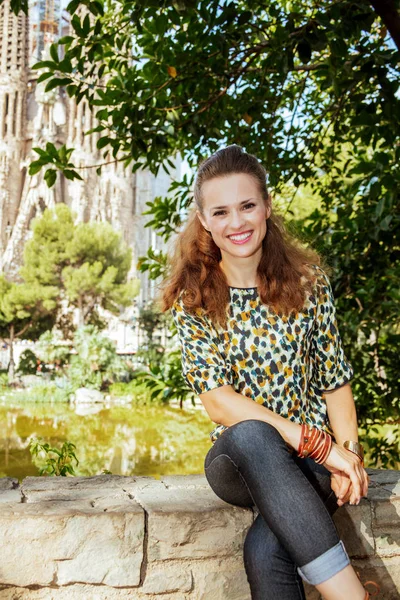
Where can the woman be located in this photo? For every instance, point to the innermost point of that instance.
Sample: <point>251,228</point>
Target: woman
<point>256,321</point>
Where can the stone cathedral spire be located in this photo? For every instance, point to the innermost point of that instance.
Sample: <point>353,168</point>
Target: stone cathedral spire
<point>14,44</point>
<point>42,117</point>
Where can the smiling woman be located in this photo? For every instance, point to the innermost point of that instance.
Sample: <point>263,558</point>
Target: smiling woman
<point>237,223</point>
<point>231,200</point>
<point>256,321</point>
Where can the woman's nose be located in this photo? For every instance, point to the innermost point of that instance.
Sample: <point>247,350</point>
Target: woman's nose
<point>237,220</point>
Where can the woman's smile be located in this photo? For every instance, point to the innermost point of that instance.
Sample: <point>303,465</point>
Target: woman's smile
<point>240,238</point>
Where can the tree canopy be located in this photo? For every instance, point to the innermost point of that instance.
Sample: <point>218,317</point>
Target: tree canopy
<point>25,312</point>
<point>88,263</point>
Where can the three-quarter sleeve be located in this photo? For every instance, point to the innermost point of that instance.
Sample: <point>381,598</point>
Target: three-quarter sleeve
<point>330,367</point>
<point>203,365</point>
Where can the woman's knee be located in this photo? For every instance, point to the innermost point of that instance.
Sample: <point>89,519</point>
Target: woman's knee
<point>253,435</point>
<point>225,480</point>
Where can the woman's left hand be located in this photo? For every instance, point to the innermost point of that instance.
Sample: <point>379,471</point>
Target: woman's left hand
<point>342,486</point>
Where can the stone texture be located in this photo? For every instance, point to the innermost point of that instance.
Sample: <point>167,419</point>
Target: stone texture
<point>354,524</point>
<point>10,490</point>
<point>174,576</point>
<point>66,542</point>
<point>222,578</point>
<point>387,514</point>
<point>112,537</point>
<point>386,545</point>
<point>383,476</point>
<point>385,503</point>
<point>108,550</point>
<point>40,489</point>
<point>192,523</point>
<point>86,592</point>
<point>184,481</point>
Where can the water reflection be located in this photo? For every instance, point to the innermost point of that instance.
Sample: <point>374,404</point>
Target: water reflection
<point>124,439</point>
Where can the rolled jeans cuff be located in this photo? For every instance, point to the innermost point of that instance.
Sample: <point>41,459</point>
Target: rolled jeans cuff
<point>325,566</point>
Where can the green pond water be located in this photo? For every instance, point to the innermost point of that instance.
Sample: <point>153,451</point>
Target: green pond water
<point>122,438</point>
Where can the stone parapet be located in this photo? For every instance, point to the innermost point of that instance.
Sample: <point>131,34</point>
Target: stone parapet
<point>113,537</point>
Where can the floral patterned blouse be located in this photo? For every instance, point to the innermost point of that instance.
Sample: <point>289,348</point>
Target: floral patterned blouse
<point>282,362</point>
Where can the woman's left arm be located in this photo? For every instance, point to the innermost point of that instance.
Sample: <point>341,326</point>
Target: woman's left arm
<point>342,413</point>
<point>331,373</point>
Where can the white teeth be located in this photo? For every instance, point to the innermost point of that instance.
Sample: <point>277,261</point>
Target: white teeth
<point>240,237</point>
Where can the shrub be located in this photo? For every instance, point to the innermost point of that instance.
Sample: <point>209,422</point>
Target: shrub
<point>57,462</point>
<point>96,363</point>
<point>53,350</point>
<point>28,363</point>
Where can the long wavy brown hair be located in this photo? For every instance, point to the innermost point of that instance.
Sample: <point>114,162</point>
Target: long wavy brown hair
<point>283,272</point>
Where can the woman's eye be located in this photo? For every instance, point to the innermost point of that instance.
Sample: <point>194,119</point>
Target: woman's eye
<point>219,212</point>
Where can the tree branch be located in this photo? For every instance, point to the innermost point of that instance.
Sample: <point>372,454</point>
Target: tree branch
<point>23,329</point>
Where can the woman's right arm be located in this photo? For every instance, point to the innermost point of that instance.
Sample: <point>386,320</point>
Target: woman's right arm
<point>227,407</point>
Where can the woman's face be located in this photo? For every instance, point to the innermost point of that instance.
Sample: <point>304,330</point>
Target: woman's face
<point>233,205</point>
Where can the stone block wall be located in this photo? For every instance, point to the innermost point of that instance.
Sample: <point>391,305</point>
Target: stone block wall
<point>111,537</point>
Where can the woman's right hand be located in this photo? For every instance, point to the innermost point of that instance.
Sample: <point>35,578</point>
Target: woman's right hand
<point>341,460</point>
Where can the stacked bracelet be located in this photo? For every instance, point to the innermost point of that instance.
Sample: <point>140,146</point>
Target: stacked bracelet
<point>314,443</point>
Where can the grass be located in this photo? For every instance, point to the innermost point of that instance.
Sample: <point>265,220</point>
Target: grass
<point>48,392</point>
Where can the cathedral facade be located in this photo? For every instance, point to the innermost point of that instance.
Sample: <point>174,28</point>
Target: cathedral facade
<point>29,118</point>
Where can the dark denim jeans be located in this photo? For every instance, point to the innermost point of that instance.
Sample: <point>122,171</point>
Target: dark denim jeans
<point>293,537</point>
